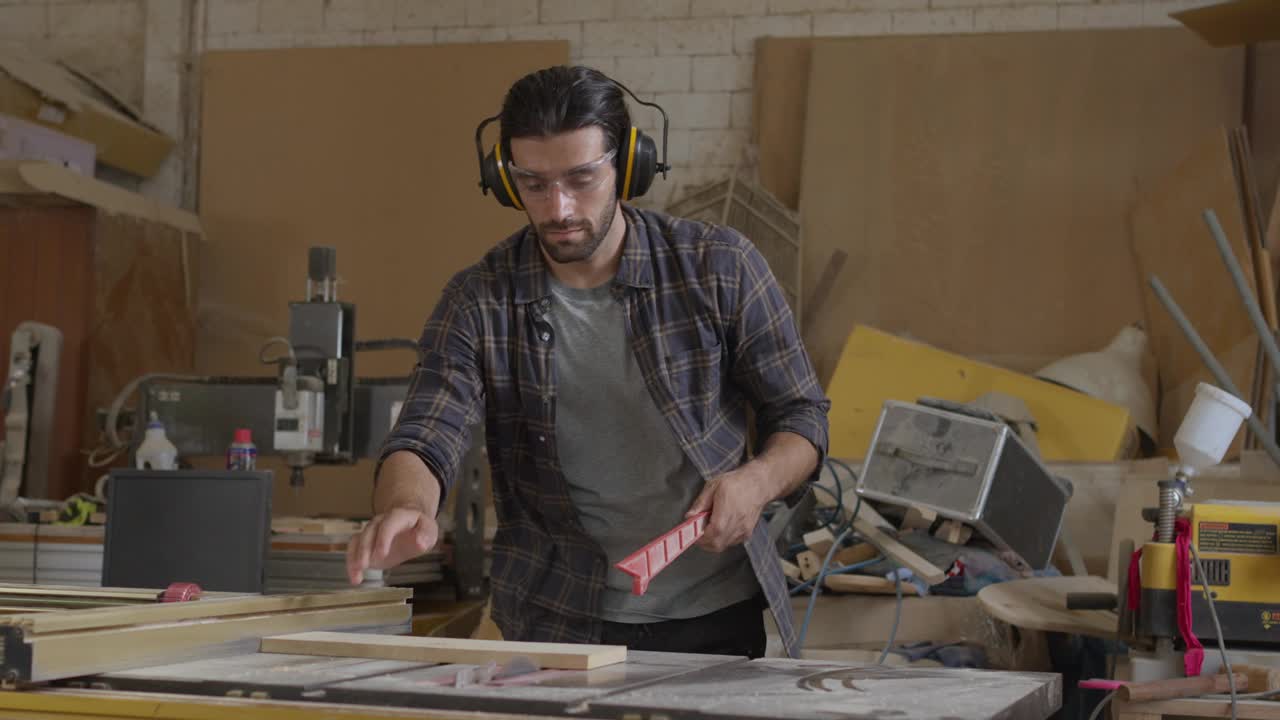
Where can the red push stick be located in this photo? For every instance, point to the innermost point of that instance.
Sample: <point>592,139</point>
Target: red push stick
<point>643,564</point>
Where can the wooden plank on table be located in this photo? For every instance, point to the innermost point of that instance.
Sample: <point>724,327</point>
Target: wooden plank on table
<point>204,609</point>
<point>53,656</point>
<point>563,656</point>
<point>1040,604</point>
<point>956,232</point>
<point>1171,240</point>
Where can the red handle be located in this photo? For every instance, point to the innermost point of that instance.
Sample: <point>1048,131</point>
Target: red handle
<point>643,564</point>
<point>180,592</point>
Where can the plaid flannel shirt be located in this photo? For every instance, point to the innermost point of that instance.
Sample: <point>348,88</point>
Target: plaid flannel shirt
<point>712,334</point>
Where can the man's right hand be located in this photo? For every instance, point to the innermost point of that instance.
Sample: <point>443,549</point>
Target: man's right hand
<point>390,539</point>
<point>403,527</point>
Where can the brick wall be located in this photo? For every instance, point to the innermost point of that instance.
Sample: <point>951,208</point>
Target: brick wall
<point>694,57</point>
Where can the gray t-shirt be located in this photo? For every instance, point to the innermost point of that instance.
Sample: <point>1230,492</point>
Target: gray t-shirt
<point>627,474</point>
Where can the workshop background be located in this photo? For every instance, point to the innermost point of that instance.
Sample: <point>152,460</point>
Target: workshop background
<point>963,199</point>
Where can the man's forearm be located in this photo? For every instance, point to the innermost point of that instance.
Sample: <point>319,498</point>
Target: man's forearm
<point>404,481</point>
<point>787,461</point>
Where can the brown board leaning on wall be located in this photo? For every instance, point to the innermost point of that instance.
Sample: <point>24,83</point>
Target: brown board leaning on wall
<point>982,183</point>
<point>369,150</point>
<point>1172,241</point>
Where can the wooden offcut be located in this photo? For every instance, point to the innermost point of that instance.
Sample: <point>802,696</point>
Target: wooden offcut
<point>868,585</point>
<point>876,530</point>
<point>562,656</point>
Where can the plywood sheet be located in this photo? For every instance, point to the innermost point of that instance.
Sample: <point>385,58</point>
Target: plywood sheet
<point>368,150</point>
<point>781,86</point>
<point>1172,241</point>
<point>981,184</point>
<point>445,650</point>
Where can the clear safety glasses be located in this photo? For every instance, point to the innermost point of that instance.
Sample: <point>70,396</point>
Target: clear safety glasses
<point>574,182</point>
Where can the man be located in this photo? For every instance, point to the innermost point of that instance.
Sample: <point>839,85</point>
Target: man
<point>614,352</point>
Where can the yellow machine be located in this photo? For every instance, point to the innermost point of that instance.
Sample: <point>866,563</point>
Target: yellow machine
<point>1239,548</point>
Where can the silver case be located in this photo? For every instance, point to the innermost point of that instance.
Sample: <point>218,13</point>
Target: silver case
<point>968,469</point>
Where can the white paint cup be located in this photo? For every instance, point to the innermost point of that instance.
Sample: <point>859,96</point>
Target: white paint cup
<point>1209,427</point>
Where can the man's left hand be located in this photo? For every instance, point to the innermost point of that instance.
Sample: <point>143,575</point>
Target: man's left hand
<point>735,500</point>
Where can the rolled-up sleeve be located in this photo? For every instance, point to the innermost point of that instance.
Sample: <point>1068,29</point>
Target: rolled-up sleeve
<point>445,393</point>
<point>770,362</point>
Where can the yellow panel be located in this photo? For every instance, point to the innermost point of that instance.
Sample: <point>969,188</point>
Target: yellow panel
<point>876,366</point>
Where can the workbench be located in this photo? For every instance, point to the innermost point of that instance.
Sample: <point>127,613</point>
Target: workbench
<point>646,685</point>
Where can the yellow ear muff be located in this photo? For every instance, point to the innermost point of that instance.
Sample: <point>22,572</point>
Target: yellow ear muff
<point>506,182</point>
<point>631,161</point>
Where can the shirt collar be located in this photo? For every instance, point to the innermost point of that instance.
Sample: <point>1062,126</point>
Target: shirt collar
<point>634,270</point>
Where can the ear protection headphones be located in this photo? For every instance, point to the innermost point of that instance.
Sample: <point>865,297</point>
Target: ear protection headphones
<point>636,161</point>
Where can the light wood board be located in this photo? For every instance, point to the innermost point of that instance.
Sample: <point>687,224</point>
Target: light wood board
<point>1172,241</point>
<point>369,150</point>
<point>981,184</point>
<point>1041,604</point>
<point>781,85</point>
<point>563,656</point>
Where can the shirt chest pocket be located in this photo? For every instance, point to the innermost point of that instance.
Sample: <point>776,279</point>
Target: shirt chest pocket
<point>694,375</point>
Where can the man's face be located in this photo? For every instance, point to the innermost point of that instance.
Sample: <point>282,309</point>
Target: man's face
<point>567,185</point>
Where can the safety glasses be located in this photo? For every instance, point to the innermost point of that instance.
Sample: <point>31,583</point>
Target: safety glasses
<point>574,182</point>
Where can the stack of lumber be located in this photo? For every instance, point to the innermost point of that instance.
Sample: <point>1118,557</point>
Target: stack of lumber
<point>51,554</point>
<point>308,562</point>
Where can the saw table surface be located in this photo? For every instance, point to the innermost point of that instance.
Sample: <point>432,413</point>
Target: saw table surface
<point>647,685</point>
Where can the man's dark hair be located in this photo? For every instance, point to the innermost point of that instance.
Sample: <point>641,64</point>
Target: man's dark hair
<point>562,99</point>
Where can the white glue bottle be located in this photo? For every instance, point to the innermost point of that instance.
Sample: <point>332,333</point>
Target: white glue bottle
<point>156,452</point>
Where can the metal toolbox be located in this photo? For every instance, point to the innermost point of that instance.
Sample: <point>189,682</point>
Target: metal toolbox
<point>967,465</point>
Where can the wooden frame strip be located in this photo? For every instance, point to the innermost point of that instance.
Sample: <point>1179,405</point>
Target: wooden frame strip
<point>560,656</point>
<point>35,624</point>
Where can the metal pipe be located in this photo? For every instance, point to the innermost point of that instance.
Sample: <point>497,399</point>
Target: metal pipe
<point>1211,362</point>
<point>1242,286</point>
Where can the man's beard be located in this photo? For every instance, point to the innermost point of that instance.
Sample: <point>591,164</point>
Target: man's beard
<point>574,250</point>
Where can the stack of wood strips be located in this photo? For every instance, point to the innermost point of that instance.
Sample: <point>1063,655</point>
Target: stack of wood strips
<point>55,644</point>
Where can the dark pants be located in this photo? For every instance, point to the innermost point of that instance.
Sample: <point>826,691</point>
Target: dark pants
<point>734,630</point>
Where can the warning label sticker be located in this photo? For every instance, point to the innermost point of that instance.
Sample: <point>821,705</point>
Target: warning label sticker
<point>1247,538</point>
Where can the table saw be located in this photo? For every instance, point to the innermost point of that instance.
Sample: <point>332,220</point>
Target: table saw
<point>647,685</point>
